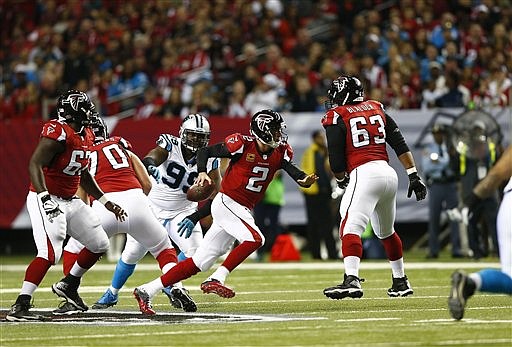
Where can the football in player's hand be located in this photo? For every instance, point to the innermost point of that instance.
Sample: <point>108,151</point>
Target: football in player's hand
<point>198,193</point>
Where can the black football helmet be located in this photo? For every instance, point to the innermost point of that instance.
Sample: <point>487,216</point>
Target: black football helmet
<point>269,127</point>
<point>195,132</point>
<point>344,90</point>
<point>99,128</point>
<point>75,106</point>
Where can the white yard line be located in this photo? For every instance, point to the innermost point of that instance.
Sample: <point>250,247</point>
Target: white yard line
<point>331,265</point>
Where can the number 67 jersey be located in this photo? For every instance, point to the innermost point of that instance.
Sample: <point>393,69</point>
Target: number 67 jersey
<point>365,123</point>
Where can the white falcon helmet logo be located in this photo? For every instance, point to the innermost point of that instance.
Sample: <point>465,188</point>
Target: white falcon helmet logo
<point>263,120</point>
<point>74,100</point>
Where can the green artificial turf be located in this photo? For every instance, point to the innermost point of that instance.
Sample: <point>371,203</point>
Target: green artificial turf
<point>288,297</point>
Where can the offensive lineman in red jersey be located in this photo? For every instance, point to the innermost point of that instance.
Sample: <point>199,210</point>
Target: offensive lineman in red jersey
<point>123,178</point>
<point>57,167</point>
<point>357,132</point>
<point>254,160</point>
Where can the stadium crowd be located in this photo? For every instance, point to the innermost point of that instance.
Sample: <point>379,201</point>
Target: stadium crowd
<point>231,57</point>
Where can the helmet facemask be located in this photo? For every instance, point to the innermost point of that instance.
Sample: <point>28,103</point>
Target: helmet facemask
<point>344,90</point>
<point>99,128</point>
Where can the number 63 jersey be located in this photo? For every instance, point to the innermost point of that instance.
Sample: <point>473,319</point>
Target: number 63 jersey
<point>177,176</point>
<point>365,136</point>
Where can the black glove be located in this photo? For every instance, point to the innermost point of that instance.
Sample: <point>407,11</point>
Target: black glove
<point>50,206</point>
<point>343,183</point>
<point>416,185</point>
<point>472,201</point>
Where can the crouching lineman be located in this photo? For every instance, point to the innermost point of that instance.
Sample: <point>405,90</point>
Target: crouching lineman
<point>121,174</point>
<point>57,167</point>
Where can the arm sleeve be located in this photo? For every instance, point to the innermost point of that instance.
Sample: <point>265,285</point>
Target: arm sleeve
<point>218,150</point>
<point>147,161</point>
<point>336,135</point>
<point>292,170</point>
<point>394,137</point>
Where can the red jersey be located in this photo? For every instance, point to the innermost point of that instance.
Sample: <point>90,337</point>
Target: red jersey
<point>62,177</point>
<point>247,178</point>
<point>111,165</point>
<point>366,137</point>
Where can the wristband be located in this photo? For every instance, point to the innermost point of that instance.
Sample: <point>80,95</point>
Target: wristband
<point>43,194</point>
<point>103,199</point>
<point>411,170</point>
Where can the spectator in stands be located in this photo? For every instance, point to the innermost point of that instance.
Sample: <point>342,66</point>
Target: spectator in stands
<point>456,96</point>
<point>236,99</point>
<point>302,97</point>
<point>173,107</point>
<point>150,106</point>
<point>436,74</point>
<point>373,73</point>
<point>429,95</point>
<point>444,31</point>
<point>499,85</point>
<point>265,95</point>
<point>273,39</point>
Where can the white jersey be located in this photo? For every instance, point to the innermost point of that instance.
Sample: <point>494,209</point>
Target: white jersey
<point>177,176</point>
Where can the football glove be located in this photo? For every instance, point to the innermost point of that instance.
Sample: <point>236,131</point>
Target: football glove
<point>416,185</point>
<point>153,171</point>
<point>343,183</point>
<point>185,227</point>
<point>473,203</point>
<point>50,206</point>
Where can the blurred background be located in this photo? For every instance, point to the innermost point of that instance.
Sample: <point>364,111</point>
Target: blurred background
<point>147,64</point>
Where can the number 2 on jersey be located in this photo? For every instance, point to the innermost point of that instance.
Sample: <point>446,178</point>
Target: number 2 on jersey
<point>253,184</point>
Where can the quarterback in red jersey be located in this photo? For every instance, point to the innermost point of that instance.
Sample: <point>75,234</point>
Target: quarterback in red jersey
<point>254,160</point>
<point>357,132</point>
<point>123,178</point>
<point>57,167</point>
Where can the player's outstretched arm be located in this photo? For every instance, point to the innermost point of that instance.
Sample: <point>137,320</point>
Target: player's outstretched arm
<point>299,176</point>
<point>90,185</point>
<point>140,172</point>
<point>153,159</point>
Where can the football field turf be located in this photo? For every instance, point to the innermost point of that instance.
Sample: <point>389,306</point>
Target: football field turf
<point>276,304</point>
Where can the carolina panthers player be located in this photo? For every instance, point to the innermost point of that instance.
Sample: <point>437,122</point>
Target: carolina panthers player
<point>254,161</point>
<point>488,280</point>
<point>173,166</point>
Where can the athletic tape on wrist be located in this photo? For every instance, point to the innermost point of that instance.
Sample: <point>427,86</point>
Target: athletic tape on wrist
<point>103,199</point>
<point>411,170</point>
